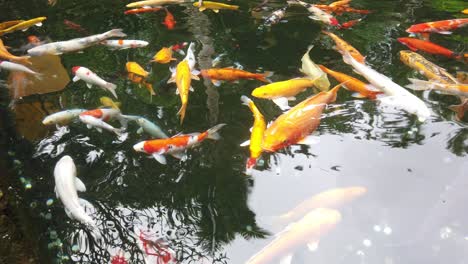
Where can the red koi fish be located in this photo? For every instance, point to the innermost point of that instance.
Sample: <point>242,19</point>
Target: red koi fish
<point>429,47</point>
<point>176,145</point>
<point>142,10</point>
<point>169,20</point>
<point>179,47</point>
<point>349,24</point>
<point>74,26</point>
<point>441,27</point>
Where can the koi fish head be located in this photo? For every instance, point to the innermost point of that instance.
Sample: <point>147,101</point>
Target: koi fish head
<point>139,147</point>
<point>405,56</point>
<point>334,22</point>
<point>75,69</point>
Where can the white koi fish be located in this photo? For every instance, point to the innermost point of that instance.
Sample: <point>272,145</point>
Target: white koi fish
<point>63,117</point>
<point>147,126</point>
<point>120,44</point>
<point>99,124</point>
<point>397,96</point>
<point>313,71</point>
<point>318,14</point>
<point>61,47</point>
<point>85,74</point>
<point>11,66</point>
<point>66,187</point>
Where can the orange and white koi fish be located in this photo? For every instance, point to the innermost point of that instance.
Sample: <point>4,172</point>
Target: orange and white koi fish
<point>154,3</point>
<point>215,6</point>
<point>281,92</point>
<point>306,231</point>
<point>313,71</point>
<point>120,44</point>
<point>349,24</point>
<point>318,14</point>
<point>343,47</point>
<point>231,74</point>
<point>256,136</point>
<point>176,145</point>
<point>164,56</point>
<point>361,89</point>
<point>169,20</point>
<point>90,78</point>
<point>182,76</point>
<point>294,126</point>
<point>333,199</point>
<point>98,119</point>
<point>5,54</point>
<point>429,47</point>
<point>440,27</point>
<point>145,9</point>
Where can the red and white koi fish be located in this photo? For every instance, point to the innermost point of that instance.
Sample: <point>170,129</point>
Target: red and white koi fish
<point>97,118</point>
<point>349,24</point>
<point>82,73</point>
<point>178,47</point>
<point>441,27</point>
<point>120,44</point>
<point>60,47</point>
<point>176,145</point>
<point>318,14</point>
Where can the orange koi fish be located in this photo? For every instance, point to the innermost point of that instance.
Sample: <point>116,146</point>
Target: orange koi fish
<point>350,23</point>
<point>362,90</point>
<point>231,74</point>
<point>4,54</point>
<point>294,126</point>
<point>176,145</point>
<point>169,20</point>
<point>76,27</point>
<point>163,56</point>
<point>343,47</point>
<point>340,7</point>
<point>429,47</point>
<point>142,10</point>
<point>441,27</point>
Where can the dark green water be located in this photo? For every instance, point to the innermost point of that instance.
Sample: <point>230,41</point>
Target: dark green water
<point>415,174</point>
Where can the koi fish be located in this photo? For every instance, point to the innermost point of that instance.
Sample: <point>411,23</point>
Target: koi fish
<point>90,78</point>
<point>426,68</point>
<point>75,26</point>
<point>8,24</point>
<point>182,76</point>
<point>169,20</point>
<point>108,102</point>
<point>429,47</point>
<point>465,11</point>
<point>317,13</point>
<point>332,199</point>
<point>67,186</point>
<point>5,54</point>
<point>339,10</point>
<point>24,25</point>
<point>178,47</point>
<point>215,6</point>
<point>17,67</point>
<point>97,118</point>
<point>275,17</point>
<point>306,118</point>
<point>120,44</point>
<point>313,71</point>
<point>308,231</point>
<point>362,90</point>
<point>154,3</point>
<point>440,27</point>
<point>62,118</point>
<point>397,96</point>
<point>144,9</point>
<point>349,24</point>
<point>164,56</point>
<point>147,126</point>
<point>232,74</point>
<point>34,40</point>
<point>281,92</point>
<point>138,75</point>
<point>446,88</point>
<point>58,48</point>
<point>343,47</point>
<point>176,145</point>
<point>256,136</point>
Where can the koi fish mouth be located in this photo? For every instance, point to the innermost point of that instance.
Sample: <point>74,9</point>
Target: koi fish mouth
<point>334,22</point>
<point>74,69</point>
<point>139,147</point>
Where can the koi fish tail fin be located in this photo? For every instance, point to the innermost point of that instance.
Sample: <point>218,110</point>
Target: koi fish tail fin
<point>419,85</point>
<point>111,88</point>
<point>245,100</point>
<point>115,33</point>
<point>264,77</point>
<point>181,112</point>
<point>213,132</point>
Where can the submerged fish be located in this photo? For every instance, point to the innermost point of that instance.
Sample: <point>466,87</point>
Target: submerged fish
<point>306,231</point>
<point>294,126</point>
<point>169,20</point>
<point>164,56</point>
<point>75,26</point>
<point>317,13</point>
<point>440,27</point>
<point>313,71</point>
<point>397,96</point>
<point>90,78</point>
<point>23,25</point>
<point>147,126</point>
<point>57,48</point>
<point>176,145</point>
<point>11,66</point>
<point>343,47</point>
<point>429,47</point>
<point>5,54</point>
<point>215,6</point>
<point>446,88</point>
<point>231,74</point>
<point>138,75</point>
<point>98,117</point>
<point>154,3</point>
<point>256,136</point>
<point>62,118</point>
<point>108,102</point>
<point>7,24</point>
<point>120,44</point>
<point>66,187</point>
<point>275,17</point>
<point>350,24</point>
<point>460,109</point>
<point>144,9</point>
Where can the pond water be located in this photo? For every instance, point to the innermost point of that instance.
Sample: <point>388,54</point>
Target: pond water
<point>205,208</point>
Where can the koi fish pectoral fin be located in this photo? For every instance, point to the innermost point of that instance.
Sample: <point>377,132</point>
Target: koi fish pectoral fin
<point>140,130</point>
<point>282,103</point>
<point>76,78</point>
<point>245,143</point>
<point>79,185</point>
<point>180,155</point>
<point>160,158</point>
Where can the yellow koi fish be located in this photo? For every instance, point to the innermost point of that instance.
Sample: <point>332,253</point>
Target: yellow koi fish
<point>215,6</point>
<point>24,25</point>
<point>426,68</point>
<point>7,24</point>
<point>256,136</point>
<point>163,56</point>
<point>313,71</point>
<point>108,102</point>
<point>343,47</point>
<point>154,3</point>
<point>138,75</point>
<point>6,55</point>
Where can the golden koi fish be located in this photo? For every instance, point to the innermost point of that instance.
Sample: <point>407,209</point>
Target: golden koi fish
<point>426,68</point>
<point>343,47</point>
<point>108,102</point>
<point>313,71</point>
<point>138,75</point>
<point>163,56</point>
<point>7,24</point>
<point>24,25</point>
<point>4,54</point>
<point>154,3</point>
<point>215,6</point>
